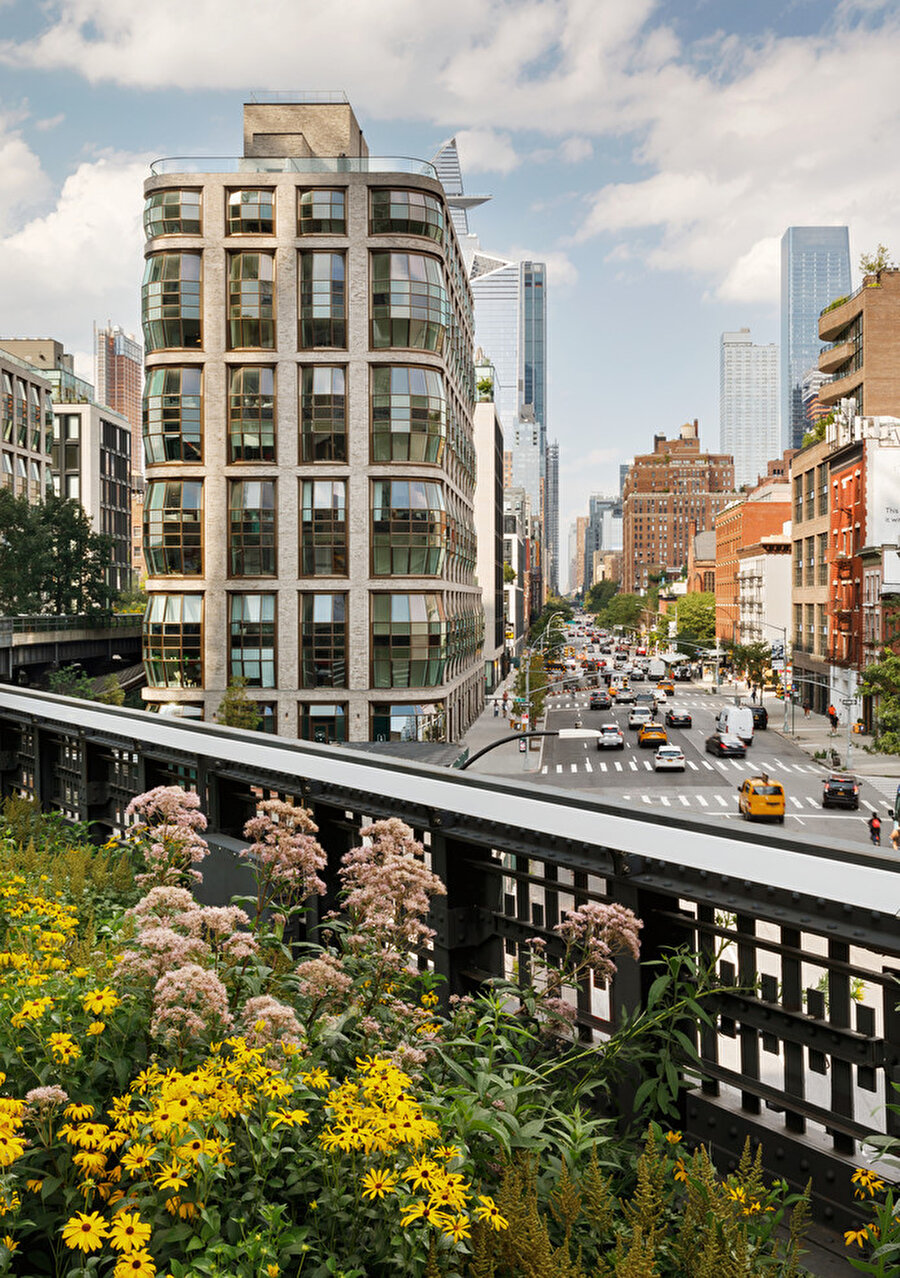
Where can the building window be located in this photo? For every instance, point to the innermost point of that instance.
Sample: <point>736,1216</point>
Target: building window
<point>172,213</point>
<point>409,528</point>
<point>251,300</point>
<point>171,301</point>
<point>173,415</point>
<point>409,414</point>
<point>251,652</point>
<point>251,527</point>
<point>173,527</point>
<point>409,302</point>
<point>323,528</point>
<point>409,640</point>
<point>322,722</point>
<point>251,414</point>
<point>323,641</point>
<point>321,211</point>
<point>406,213</point>
<point>251,212</point>
<point>173,641</point>
<point>323,413</point>
<point>323,310</point>
<point>425,722</point>
<point>268,716</point>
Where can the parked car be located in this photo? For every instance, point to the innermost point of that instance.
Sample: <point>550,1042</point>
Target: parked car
<point>639,716</point>
<point>610,737</point>
<point>760,714</point>
<point>678,718</point>
<point>760,797</point>
<point>840,790</point>
<point>652,734</point>
<point>724,745</point>
<point>669,759</point>
<point>600,701</point>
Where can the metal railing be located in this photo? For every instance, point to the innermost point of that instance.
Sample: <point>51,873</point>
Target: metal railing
<point>292,164</point>
<point>43,624</point>
<point>801,1058</point>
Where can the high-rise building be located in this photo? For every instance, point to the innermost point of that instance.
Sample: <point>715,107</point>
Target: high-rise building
<point>308,436</point>
<point>603,532</point>
<point>748,404</point>
<point>669,495</point>
<point>551,501</point>
<point>815,270</point>
<point>26,418</point>
<point>118,373</point>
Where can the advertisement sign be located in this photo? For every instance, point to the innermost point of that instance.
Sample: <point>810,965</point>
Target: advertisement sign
<point>883,485</point>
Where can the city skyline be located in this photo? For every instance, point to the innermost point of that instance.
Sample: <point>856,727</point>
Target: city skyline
<point>635,156</point>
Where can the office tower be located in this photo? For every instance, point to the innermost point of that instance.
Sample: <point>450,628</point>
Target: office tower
<point>447,166</point>
<point>815,270</point>
<point>118,373</point>
<point>551,495</point>
<point>811,396</point>
<point>669,495</point>
<point>748,404</point>
<point>623,475</point>
<point>308,436</point>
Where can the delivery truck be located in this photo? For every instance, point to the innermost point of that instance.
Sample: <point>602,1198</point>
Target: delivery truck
<point>737,721</point>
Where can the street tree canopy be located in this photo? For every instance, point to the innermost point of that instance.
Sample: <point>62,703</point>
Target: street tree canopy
<point>696,619</point>
<point>51,560</point>
<point>622,610</point>
<point>882,680</point>
<point>599,595</point>
<point>755,658</point>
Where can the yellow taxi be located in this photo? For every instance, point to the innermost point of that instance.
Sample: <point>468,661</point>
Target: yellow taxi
<point>761,797</point>
<point>666,686</point>
<point>652,734</point>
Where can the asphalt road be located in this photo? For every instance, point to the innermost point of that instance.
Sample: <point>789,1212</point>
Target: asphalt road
<point>708,786</point>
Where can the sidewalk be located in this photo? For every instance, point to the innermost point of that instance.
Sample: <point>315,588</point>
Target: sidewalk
<point>506,760</point>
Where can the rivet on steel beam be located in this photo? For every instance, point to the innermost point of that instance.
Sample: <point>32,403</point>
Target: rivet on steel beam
<point>795,896</point>
<point>828,1213</point>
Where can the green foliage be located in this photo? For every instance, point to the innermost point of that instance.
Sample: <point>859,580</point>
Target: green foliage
<point>599,595</point>
<point>485,388</point>
<point>51,560</point>
<point>622,610</point>
<point>236,709</point>
<point>882,680</point>
<point>817,433</point>
<point>509,574</point>
<point>534,686</point>
<point>134,599</point>
<point>754,658</point>
<point>696,619</point>
<point>70,681</point>
<point>111,692</point>
<point>873,263</point>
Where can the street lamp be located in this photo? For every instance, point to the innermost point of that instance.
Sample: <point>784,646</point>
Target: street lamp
<point>527,655</point>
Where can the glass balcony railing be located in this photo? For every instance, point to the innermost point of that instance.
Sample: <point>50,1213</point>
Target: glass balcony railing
<point>293,164</point>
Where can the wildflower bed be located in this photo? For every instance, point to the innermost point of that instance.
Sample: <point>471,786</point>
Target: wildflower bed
<point>184,1093</point>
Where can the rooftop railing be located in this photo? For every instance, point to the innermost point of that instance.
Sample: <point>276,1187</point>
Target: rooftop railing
<point>43,624</point>
<point>293,164</point>
<point>801,1052</point>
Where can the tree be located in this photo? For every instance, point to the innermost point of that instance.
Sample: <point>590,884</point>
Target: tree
<point>599,595</point>
<point>236,709</point>
<point>51,560</point>
<point>875,263</point>
<point>555,610</point>
<point>755,658</point>
<point>537,684</point>
<point>23,553</point>
<point>622,610</point>
<point>70,681</point>
<point>696,619</point>
<point>509,574</point>
<point>111,692</point>
<point>882,680</point>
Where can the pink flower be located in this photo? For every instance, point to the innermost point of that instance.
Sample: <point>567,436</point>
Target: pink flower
<point>595,931</point>
<point>46,1097</point>
<point>322,979</point>
<point>190,1004</point>
<point>166,827</point>
<point>285,856</point>
<point>388,888</point>
<point>266,1021</point>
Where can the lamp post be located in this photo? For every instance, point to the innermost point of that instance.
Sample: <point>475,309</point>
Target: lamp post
<point>847,702</point>
<point>536,647</point>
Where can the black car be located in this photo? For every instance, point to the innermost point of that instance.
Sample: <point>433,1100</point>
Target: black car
<point>840,790</point>
<point>637,675</point>
<point>725,746</point>
<point>600,701</point>
<point>760,714</point>
<point>678,719</point>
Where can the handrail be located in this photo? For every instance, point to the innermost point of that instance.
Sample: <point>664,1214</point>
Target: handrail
<point>42,623</point>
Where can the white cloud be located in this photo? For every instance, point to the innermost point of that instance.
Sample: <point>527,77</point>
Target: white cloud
<point>25,186</point>
<point>576,149</point>
<point>51,122</point>
<point>562,272</point>
<point>486,151</point>
<point>80,261</point>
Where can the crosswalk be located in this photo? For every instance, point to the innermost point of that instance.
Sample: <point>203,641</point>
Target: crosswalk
<point>725,767</point>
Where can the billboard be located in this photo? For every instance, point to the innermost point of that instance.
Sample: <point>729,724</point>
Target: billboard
<point>883,493</point>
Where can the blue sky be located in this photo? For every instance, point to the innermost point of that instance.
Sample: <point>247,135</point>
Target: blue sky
<point>652,152</point>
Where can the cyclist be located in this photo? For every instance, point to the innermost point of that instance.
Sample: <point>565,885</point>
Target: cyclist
<point>875,829</point>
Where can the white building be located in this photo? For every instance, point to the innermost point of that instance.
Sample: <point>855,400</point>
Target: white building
<point>764,588</point>
<point>748,405</point>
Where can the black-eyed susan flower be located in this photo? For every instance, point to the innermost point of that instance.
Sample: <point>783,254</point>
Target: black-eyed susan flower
<point>137,1264</point>
<point>379,1182</point>
<point>489,1213</point>
<point>128,1232</point>
<point>85,1231</point>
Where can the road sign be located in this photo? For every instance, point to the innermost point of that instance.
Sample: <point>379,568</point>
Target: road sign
<point>523,746</point>
<point>778,664</point>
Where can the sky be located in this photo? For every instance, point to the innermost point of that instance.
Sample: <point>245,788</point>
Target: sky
<point>652,152</point>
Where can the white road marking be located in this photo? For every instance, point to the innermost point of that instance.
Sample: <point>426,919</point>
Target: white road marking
<point>604,767</point>
<point>544,770</point>
<point>618,767</point>
<point>796,802</point>
<point>692,765</point>
<point>685,800</point>
<point>573,767</point>
<point>702,801</point>
<point>559,767</point>
<point>811,801</point>
<point>587,764</point>
<point>646,798</point>
<point>707,764</point>
<point>648,765</point>
<point>633,765</point>
<point>663,799</point>
<point>720,801</point>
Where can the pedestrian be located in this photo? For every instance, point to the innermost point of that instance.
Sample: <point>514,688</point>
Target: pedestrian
<point>875,829</point>
<point>496,707</point>
<point>805,709</point>
<point>505,700</point>
<point>753,693</point>
<point>895,837</point>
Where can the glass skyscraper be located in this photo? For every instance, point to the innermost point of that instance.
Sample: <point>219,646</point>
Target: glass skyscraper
<point>815,269</point>
<point>748,405</point>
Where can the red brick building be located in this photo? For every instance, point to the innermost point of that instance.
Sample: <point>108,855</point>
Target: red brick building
<point>744,523</point>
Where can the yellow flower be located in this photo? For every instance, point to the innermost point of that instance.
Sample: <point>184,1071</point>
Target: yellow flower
<point>458,1228</point>
<point>867,1183</point>
<point>11,1148</point>
<point>99,1001</point>
<point>95,1028</point>
<point>272,1271</point>
<point>673,1138</point>
<point>128,1232</point>
<point>169,1176</point>
<point>10,1243</point>
<point>85,1231</point>
<point>289,1117</point>
<point>34,1185</point>
<point>317,1078</point>
<point>64,1048</point>
<point>859,1236</point>
<point>423,1173</point>
<point>91,1161</point>
<point>447,1152</point>
<point>79,1112</point>
<point>137,1159</point>
<point>137,1264</point>
<point>680,1170</point>
<point>489,1212</point>
<point>378,1183</point>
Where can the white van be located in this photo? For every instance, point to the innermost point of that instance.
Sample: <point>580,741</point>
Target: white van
<point>736,721</point>
<point>656,669</point>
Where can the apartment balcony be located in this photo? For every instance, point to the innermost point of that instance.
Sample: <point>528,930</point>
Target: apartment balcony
<point>833,320</point>
<point>832,392</point>
<point>832,357</point>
